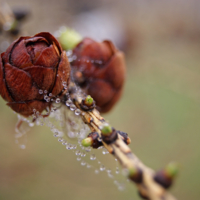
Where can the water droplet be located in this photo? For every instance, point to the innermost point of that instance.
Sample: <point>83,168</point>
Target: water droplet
<point>105,152</point>
<point>83,154</point>
<point>71,134</point>
<point>117,170</point>
<point>69,146</point>
<point>72,107</point>
<point>88,149</point>
<point>53,109</point>
<point>50,94</point>
<point>55,135</point>
<point>47,99</point>
<point>80,140</point>
<point>102,168</point>
<point>121,186</point>
<point>116,159</point>
<point>109,170</point>
<point>110,175</point>
<point>64,83</point>
<point>78,153</point>
<point>78,158</point>
<point>64,142</point>
<point>45,92</point>
<point>22,146</point>
<point>31,124</point>
<point>69,53</point>
<point>88,166</point>
<point>96,171</point>
<point>68,102</point>
<point>57,100</point>
<point>40,91</point>
<point>74,57</point>
<point>93,157</point>
<point>83,163</point>
<point>77,112</point>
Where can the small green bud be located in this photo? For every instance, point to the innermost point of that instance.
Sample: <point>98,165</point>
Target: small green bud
<point>135,174</point>
<point>88,100</point>
<point>69,38</point>
<point>171,169</point>
<point>87,142</point>
<point>132,172</point>
<point>106,129</point>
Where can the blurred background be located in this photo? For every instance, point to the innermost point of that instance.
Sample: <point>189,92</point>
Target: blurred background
<point>160,108</point>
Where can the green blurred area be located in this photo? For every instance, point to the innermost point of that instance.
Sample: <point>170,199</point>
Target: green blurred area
<point>160,110</point>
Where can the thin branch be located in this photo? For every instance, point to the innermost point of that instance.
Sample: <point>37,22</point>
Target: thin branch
<point>144,177</point>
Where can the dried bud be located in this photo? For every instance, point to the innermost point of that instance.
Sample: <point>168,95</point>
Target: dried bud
<point>102,70</point>
<point>30,65</point>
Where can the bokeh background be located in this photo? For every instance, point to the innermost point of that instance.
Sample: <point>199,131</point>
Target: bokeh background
<point>160,107</point>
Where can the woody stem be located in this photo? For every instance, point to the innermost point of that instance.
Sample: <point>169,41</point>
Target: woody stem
<point>140,174</point>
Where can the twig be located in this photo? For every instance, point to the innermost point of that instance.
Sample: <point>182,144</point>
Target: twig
<point>143,176</point>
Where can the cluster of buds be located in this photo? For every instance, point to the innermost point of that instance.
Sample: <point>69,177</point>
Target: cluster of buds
<point>108,135</point>
<point>35,64</point>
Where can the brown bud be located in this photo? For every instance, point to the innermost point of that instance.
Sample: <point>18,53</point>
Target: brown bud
<point>161,178</point>
<point>31,64</point>
<point>102,70</point>
<point>96,143</point>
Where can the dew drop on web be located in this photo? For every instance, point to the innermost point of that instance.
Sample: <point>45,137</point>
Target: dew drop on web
<point>78,158</point>
<point>117,170</point>
<point>68,102</point>
<point>72,107</point>
<point>77,112</point>
<point>78,153</point>
<point>93,157</point>
<point>102,168</point>
<point>83,154</point>
<point>68,129</point>
<point>60,139</point>
<point>57,100</point>
<point>105,151</point>
<point>83,163</point>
